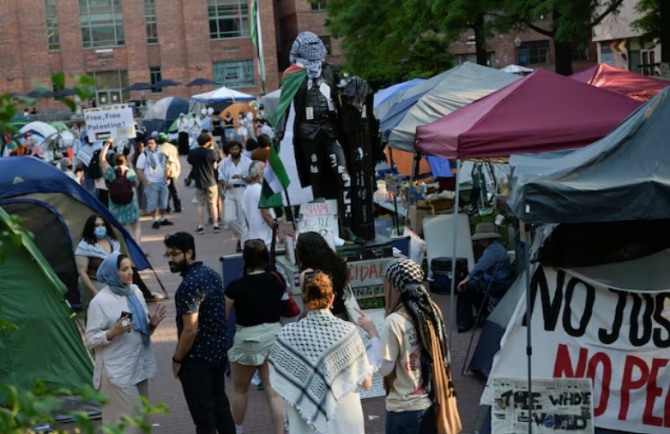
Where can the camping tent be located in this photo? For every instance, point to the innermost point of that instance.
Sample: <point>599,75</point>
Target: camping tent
<point>540,112</point>
<point>458,87</point>
<point>614,189</point>
<point>46,344</point>
<point>559,187</point>
<point>391,91</point>
<point>55,209</point>
<point>163,113</point>
<point>627,83</point>
<point>223,94</point>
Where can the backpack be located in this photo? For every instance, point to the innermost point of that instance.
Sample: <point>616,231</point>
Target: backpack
<point>94,169</point>
<point>121,190</point>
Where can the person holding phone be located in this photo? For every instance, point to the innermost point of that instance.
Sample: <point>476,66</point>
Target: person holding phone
<point>119,329</point>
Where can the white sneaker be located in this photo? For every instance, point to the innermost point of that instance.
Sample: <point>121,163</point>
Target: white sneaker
<point>256,379</point>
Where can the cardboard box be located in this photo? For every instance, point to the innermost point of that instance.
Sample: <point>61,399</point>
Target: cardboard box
<point>437,205</point>
<point>415,214</point>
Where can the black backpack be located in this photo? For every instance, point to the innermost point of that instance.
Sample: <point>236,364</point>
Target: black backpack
<point>121,190</point>
<point>94,169</point>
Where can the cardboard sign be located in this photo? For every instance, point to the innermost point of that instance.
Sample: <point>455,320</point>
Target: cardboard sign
<point>319,217</point>
<point>107,121</point>
<point>559,406</point>
<point>617,338</point>
<point>366,279</point>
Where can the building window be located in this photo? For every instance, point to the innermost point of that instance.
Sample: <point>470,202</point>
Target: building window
<point>228,19</point>
<point>101,23</point>
<point>320,5</point>
<point>150,21</point>
<point>110,86</point>
<point>53,36</point>
<point>238,73</point>
<point>534,53</point>
<point>155,76</point>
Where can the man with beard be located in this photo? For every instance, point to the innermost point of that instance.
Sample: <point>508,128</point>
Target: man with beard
<point>200,361</point>
<point>233,174</point>
<point>204,163</point>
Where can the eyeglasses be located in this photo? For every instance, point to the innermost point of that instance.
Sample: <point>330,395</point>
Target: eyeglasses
<point>172,254</point>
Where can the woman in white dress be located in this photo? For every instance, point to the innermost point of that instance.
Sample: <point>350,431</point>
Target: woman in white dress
<point>317,365</point>
<point>242,128</point>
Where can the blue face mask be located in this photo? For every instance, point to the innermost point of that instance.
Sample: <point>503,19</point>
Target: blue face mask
<point>100,232</point>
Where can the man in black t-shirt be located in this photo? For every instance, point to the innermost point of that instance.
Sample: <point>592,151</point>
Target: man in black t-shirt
<point>204,162</point>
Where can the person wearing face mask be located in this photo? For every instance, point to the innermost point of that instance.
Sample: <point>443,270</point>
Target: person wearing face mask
<point>200,359</point>
<point>97,241</point>
<point>119,329</point>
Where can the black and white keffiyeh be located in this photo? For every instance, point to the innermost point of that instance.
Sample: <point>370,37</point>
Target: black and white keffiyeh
<point>315,362</point>
<point>308,50</point>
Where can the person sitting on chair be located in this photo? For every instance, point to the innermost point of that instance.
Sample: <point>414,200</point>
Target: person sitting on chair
<point>491,276</point>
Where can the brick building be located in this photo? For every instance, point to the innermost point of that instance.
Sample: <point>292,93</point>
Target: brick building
<point>120,42</point>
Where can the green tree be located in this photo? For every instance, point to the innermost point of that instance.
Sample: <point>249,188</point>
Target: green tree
<point>381,41</point>
<point>571,22</point>
<point>650,19</point>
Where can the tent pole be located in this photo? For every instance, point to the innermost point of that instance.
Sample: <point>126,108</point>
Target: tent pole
<point>396,217</point>
<point>525,233</point>
<point>452,302</point>
<point>415,166</point>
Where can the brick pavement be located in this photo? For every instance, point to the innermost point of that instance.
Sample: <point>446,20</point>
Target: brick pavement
<point>165,389</point>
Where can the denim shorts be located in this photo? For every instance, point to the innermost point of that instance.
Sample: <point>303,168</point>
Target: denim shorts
<point>411,422</point>
<point>157,196</point>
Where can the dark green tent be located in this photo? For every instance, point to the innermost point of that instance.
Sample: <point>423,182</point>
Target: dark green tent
<point>46,344</point>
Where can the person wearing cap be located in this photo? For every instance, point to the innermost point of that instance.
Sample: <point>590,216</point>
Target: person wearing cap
<point>411,352</point>
<point>492,275</point>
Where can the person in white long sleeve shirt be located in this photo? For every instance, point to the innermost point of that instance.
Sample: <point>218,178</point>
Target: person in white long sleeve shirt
<point>234,176</point>
<point>118,328</point>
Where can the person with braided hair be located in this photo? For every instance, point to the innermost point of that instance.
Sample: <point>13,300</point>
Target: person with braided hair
<point>412,355</point>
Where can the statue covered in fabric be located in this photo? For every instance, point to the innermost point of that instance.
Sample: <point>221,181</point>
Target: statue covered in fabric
<point>330,134</point>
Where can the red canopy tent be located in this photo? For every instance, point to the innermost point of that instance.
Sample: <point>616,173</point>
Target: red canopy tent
<point>541,112</point>
<point>627,83</point>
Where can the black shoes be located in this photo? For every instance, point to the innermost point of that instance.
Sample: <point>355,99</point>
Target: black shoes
<point>154,298</point>
<point>166,222</point>
<point>155,225</point>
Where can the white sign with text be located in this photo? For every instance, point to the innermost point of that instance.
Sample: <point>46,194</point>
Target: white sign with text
<point>110,121</point>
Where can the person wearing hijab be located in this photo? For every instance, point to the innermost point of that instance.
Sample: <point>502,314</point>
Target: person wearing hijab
<point>119,329</point>
<point>412,355</point>
<point>317,365</point>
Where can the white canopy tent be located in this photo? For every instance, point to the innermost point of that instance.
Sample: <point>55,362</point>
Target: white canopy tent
<point>223,94</point>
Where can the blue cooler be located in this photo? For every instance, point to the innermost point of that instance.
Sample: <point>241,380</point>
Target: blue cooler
<point>441,269</point>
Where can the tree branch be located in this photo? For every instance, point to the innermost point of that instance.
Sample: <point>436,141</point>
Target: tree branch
<point>539,29</point>
<point>611,8</point>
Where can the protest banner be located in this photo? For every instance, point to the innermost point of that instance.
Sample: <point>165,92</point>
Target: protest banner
<point>110,121</point>
<point>581,328</point>
<point>319,217</point>
<point>560,406</point>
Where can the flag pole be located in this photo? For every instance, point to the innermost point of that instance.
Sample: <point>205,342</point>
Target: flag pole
<point>257,38</point>
<point>290,207</point>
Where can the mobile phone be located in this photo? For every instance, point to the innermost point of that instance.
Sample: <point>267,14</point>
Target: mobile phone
<point>128,315</point>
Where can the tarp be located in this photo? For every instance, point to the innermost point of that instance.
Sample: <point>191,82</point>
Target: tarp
<point>541,112</point>
<point>46,344</point>
<point>623,177</point>
<point>627,83</point>
<point>603,323</point>
<point>461,86</point>
<point>517,69</point>
<point>223,94</point>
<point>388,92</point>
<point>54,209</point>
<point>163,113</point>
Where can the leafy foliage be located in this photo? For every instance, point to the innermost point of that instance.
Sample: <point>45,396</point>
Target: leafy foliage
<point>650,19</point>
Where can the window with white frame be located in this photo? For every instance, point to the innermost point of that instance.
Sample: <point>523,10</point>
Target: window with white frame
<point>228,19</point>
<point>101,23</point>
<point>53,35</point>
<point>233,74</point>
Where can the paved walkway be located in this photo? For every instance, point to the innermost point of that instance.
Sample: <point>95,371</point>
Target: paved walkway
<point>209,248</point>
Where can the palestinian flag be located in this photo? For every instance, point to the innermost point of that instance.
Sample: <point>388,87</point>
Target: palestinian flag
<point>275,178</point>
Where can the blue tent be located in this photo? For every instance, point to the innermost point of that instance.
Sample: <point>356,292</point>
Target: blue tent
<point>163,113</point>
<point>394,90</point>
<point>55,208</point>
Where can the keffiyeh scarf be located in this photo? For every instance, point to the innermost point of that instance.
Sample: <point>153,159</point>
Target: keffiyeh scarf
<point>84,248</point>
<point>308,50</point>
<point>315,362</point>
